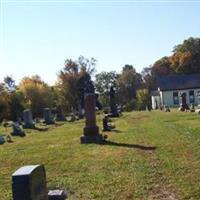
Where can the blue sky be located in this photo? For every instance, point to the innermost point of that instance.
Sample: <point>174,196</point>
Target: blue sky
<point>37,36</point>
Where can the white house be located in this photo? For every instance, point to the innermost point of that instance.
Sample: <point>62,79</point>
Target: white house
<point>169,89</point>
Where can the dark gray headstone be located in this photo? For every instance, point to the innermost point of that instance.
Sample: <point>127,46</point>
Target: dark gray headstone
<point>60,114</point>
<point>48,118</point>
<point>2,140</point>
<point>28,119</point>
<point>29,183</point>
<point>113,106</point>
<point>17,131</point>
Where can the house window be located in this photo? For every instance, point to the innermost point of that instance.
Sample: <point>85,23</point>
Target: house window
<point>191,96</point>
<point>175,98</point>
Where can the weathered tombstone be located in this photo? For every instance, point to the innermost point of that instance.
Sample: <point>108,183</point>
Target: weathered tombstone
<point>119,109</point>
<point>28,119</point>
<point>60,114</point>
<point>48,118</point>
<point>91,130</point>
<point>2,140</point>
<point>166,108</point>
<point>17,131</point>
<point>198,97</point>
<point>106,125</point>
<point>183,105</point>
<point>29,183</point>
<point>113,106</point>
<point>71,118</point>
<point>98,104</point>
<point>57,195</point>
<point>192,109</point>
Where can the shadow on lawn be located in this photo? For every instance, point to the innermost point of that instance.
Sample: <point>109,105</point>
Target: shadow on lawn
<point>41,129</point>
<point>136,146</point>
<point>116,131</point>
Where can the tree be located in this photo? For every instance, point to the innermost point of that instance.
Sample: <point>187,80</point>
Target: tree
<point>148,78</point>
<point>162,67</point>
<point>16,105</point>
<point>9,83</point>
<point>4,99</point>
<point>103,82</point>
<point>127,83</point>
<point>37,93</point>
<point>184,60</point>
<point>143,99</point>
<point>73,79</point>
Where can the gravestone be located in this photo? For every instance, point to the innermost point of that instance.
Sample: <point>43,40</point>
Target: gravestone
<point>48,118</point>
<point>71,118</point>
<point>91,130</point>
<point>2,140</point>
<point>106,125</point>
<point>60,114</point>
<point>98,104</point>
<point>113,106</point>
<point>198,97</point>
<point>192,108</point>
<point>57,195</point>
<point>17,131</point>
<point>29,183</point>
<point>166,108</point>
<point>183,105</point>
<point>28,119</point>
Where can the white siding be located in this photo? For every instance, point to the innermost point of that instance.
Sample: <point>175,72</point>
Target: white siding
<point>155,99</point>
<point>167,97</point>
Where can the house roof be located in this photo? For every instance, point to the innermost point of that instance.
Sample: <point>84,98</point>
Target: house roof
<point>178,82</point>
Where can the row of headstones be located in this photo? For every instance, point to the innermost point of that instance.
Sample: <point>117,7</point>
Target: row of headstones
<point>48,117</point>
<point>28,118</point>
<point>30,123</point>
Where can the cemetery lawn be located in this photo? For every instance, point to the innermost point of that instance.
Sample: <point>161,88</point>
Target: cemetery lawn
<point>126,168</point>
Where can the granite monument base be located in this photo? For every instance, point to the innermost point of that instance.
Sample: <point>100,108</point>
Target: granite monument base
<point>91,135</point>
<point>113,115</point>
<point>98,139</point>
<point>49,122</point>
<point>30,126</point>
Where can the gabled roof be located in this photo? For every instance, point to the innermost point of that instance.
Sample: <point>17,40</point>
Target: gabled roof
<point>178,82</point>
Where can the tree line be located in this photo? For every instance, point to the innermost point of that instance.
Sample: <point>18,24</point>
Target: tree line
<point>132,88</point>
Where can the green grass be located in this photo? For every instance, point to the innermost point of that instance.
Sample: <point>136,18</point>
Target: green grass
<point>171,171</point>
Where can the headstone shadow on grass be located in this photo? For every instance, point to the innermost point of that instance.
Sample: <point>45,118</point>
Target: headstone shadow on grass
<point>116,131</point>
<point>135,146</point>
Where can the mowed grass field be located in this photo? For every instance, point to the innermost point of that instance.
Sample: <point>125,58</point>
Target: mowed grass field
<point>151,155</point>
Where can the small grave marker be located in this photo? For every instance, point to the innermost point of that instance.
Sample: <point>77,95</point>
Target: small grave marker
<point>2,140</point>
<point>17,131</point>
